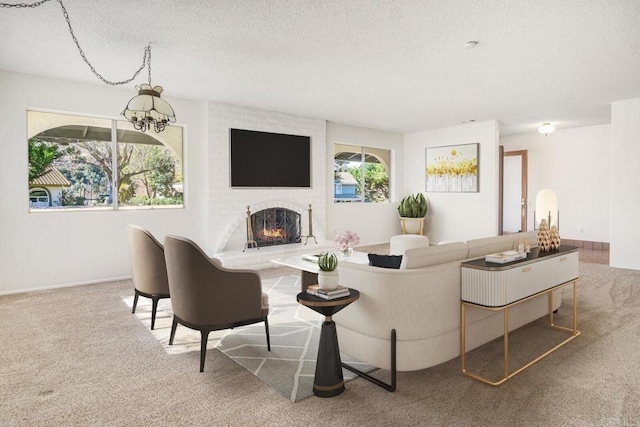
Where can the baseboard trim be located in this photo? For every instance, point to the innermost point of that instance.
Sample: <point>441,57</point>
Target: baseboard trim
<point>586,244</point>
<point>63,285</point>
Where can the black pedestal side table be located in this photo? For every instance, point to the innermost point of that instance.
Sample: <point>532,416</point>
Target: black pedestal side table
<point>328,381</point>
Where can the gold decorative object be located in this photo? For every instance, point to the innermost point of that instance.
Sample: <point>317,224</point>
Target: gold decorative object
<point>306,238</point>
<point>250,243</point>
<point>543,236</point>
<point>554,238</point>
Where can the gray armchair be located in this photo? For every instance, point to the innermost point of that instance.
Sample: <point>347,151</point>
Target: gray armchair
<point>147,267</point>
<point>207,297</point>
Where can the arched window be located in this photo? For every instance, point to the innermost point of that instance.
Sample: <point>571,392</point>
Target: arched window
<point>361,174</point>
<point>93,169</point>
<point>39,198</point>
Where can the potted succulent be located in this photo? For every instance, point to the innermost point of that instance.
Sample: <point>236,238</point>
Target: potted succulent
<point>328,276</point>
<point>412,210</point>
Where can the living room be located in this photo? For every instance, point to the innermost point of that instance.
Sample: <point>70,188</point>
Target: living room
<point>592,167</point>
<point>214,213</point>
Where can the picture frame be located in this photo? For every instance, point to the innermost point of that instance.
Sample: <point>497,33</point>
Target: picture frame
<point>452,168</point>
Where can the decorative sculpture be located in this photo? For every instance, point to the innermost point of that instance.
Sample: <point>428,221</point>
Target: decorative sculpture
<point>554,238</point>
<point>543,236</point>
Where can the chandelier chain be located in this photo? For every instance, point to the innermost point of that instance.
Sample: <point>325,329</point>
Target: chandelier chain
<point>146,59</point>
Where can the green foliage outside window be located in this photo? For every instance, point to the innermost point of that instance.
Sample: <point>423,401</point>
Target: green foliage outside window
<point>147,171</point>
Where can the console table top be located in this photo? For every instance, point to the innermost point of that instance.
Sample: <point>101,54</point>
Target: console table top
<point>535,255</point>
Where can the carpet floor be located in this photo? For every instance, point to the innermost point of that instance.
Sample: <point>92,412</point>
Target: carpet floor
<point>294,329</point>
<point>77,357</point>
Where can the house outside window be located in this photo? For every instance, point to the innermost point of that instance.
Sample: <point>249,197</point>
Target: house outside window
<point>39,198</point>
<point>72,157</point>
<point>361,174</point>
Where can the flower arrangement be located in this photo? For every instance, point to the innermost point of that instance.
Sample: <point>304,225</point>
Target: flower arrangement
<point>346,239</point>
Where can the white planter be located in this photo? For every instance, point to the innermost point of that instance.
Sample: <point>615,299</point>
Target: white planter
<point>412,225</point>
<point>328,279</point>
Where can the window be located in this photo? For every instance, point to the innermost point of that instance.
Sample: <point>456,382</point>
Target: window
<point>72,157</point>
<point>361,174</point>
<point>38,198</point>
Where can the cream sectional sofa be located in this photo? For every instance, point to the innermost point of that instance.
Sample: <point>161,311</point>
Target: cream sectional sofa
<point>421,301</point>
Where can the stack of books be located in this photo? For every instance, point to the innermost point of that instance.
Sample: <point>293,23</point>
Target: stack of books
<point>339,292</point>
<point>504,257</point>
<point>311,258</point>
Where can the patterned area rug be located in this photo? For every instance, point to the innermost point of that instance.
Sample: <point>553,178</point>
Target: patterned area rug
<point>294,329</point>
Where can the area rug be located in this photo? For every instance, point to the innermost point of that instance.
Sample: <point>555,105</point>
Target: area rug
<point>294,329</point>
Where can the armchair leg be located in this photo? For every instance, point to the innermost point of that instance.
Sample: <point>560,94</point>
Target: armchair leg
<point>135,301</point>
<point>204,333</point>
<point>174,325</point>
<point>154,308</point>
<point>266,327</point>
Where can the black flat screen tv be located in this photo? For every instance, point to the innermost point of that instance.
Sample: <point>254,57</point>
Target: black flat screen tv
<point>263,159</point>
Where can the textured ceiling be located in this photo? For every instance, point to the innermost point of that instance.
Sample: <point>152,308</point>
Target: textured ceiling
<point>394,65</point>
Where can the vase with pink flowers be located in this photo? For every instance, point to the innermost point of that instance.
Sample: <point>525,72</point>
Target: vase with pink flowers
<point>345,240</point>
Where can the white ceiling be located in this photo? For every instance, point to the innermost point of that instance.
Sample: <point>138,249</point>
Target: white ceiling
<point>394,65</point>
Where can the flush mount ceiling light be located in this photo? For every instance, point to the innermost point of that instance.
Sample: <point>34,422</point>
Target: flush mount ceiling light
<point>546,128</point>
<point>146,110</point>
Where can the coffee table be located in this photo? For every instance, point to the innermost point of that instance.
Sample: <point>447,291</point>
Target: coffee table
<point>309,269</point>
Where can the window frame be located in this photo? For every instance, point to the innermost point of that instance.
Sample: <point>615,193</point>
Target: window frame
<point>116,204</point>
<point>361,197</point>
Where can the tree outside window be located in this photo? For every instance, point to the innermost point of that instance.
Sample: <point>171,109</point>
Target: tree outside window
<point>145,171</point>
<point>361,174</point>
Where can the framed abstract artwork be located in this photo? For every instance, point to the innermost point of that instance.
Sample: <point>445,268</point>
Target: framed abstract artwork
<point>452,168</point>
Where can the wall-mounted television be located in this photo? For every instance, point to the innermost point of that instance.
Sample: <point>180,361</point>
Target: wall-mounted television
<point>263,159</point>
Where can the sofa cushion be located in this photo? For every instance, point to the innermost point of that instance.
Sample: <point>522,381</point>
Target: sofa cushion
<point>489,245</point>
<point>432,255</point>
<point>385,261</point>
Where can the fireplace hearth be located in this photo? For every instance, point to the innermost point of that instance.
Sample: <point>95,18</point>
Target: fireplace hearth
<point>273,227</point>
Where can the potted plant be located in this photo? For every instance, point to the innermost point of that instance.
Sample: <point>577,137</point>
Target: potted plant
<point>328,276</point>
<point>412,210</point>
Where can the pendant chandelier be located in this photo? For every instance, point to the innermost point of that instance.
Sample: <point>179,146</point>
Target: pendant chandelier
<point>146,110</point>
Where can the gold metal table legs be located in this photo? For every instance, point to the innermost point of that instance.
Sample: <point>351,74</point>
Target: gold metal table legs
<point>572,331</point>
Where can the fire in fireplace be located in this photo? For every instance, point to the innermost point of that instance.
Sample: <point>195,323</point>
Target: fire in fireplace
<point>276,226</point>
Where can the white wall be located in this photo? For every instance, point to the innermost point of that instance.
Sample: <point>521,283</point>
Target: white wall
<point>575,164</point>
<point>42,250</point>
<point>625,176</point>
<point>228,206</point>
<point>374,222</point>
<point>457,216</point>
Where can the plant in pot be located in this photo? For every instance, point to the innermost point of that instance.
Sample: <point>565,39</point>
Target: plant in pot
<point>412,210</point>
<point>328,276</point>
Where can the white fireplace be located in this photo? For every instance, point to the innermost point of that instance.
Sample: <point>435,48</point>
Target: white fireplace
<point>227,206</point>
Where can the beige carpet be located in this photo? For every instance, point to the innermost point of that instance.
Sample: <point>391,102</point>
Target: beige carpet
<point>77,356</point>
<point>294,329</point>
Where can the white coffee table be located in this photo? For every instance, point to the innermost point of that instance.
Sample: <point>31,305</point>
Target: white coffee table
<point>309,269</point>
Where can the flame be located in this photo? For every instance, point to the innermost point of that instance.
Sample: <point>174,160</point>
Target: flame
<point>273,233</point>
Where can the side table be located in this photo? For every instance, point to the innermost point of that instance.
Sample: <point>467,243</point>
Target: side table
<point>328,381</point>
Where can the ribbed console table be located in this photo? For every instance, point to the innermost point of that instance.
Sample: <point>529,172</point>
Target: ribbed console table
<point>498,287</point>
